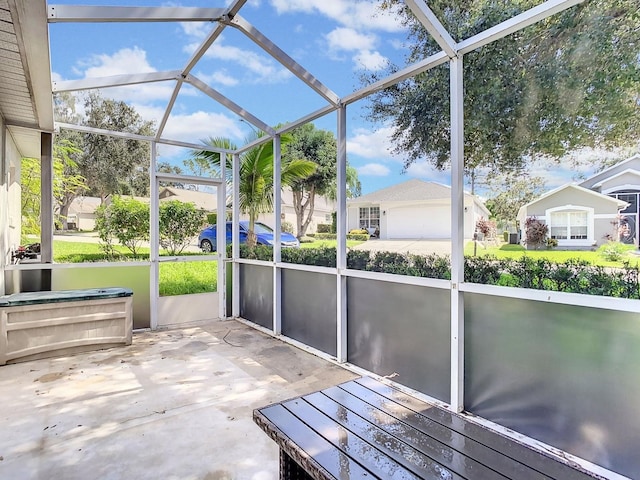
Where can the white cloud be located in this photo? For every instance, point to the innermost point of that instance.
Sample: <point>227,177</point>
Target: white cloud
<point>426,171</point>
<point>372,144</point>
<point>370,60</point>
<point>220,77</point>
<point>261,69</point>
<point>350,13</point>
<point>126,61</point>
<point>374,170</point>
<point>192,127</point>
<point>349,39</point>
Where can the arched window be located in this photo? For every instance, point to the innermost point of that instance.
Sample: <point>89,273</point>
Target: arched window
<point>570,224</point>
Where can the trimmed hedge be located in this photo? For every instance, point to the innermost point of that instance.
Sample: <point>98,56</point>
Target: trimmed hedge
<point>574,276</point>
<point>350,236</point>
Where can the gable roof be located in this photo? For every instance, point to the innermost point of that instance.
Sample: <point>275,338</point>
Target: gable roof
<point>629,171</point>
<point>411,190</point>
<point>202,200</point>
<point>627,164</point>
<point>574,186</point>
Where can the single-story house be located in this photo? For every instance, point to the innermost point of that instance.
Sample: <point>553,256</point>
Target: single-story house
<point>412,209</point>
<point>323,208</point>
<point>202,200</point>
<point>601,208</point>
<point>82,213</point>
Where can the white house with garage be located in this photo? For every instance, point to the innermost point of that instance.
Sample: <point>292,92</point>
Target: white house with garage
<point>412,209</point>
<point>603,207</point>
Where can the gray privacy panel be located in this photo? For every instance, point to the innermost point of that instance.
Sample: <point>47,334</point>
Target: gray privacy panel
<point>135,277</point>
<point>568,376</point>
<point>403,330</point>
<point>256,294</point>
<point>309,309</point>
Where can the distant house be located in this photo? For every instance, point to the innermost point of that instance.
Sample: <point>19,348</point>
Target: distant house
<point>604,206</point>
<point>202,200</point>
<point>323,208</point>
<point>82,213</point>
<point>412,209</point>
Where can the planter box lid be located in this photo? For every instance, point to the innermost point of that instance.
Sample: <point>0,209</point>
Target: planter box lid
<point>33,298</point>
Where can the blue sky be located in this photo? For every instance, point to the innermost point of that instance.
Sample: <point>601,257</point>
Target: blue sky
<point>333,39</point>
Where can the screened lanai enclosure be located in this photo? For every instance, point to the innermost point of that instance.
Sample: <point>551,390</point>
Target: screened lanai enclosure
<point>465,93</point>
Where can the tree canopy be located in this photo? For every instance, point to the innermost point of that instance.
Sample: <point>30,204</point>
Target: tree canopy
<point>256,174</point>
<point>571,81</point>
<point>115,165</point>
<point>319,147</point>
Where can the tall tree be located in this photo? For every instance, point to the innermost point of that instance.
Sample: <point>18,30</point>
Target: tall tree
<point>319,147</point>
<point>256,174</point>
<point>115,165</point>
<point>569,82</point>
<point>511,193</point>
<point>69,182</point>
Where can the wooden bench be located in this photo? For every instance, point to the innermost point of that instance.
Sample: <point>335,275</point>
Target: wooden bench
<point>366,429</point>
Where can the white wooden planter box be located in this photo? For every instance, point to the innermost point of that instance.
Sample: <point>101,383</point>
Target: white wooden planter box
<point>45,324</point>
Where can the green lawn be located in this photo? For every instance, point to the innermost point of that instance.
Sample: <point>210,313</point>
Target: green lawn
<point>176,278</point>
<point>557,256</point>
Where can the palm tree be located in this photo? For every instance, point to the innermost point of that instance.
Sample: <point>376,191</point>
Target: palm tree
<point>256,174</point>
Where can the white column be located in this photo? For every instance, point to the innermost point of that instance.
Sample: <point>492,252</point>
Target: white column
<point>154,239</point>
<point>277,208</point>
<point>457,235</point>
<point>4,206</point>
<point>235,236</point>
<point>341,235</point>
<point>46,197</point>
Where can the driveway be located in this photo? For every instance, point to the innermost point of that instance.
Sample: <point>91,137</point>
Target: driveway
<point>415,246</point>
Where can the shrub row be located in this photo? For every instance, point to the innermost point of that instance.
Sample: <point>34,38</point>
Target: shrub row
<point>575,276</point>
<point>362,237</point>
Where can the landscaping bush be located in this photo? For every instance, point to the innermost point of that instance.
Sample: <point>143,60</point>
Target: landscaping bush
<point>325,236</point>
<point>612,251</point>
<point>125,219</point>
<point>505,236</point>
<point>287,227</point>
<point>179,223</point>
<point>361,237</point>
<point>324,228</point>
<point>358,231</point>
<point>574,275</point>
<point>487,228</point>
<point>535,232</point>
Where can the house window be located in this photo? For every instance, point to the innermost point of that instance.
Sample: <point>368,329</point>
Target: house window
<point>569,225</point>
<point>369,217</point>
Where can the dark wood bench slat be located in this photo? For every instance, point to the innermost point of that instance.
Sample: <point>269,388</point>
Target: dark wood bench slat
<point>351,444</point>
<point>318,457</point>
<point>443,445</point>
<point>404,441</point>
<point>536,460</point>
<point>420,464</point>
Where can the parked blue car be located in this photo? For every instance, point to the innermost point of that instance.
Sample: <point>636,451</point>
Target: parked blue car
<point>264,234</point>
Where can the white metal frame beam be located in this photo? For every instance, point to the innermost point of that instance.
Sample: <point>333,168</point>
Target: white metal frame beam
<point>114,81</point>
<point>134,136</point>
<point>435,28</point>
<point>284,59</point>
<point>100,14</point>
<point>516,23</point>
<point>224,101</point>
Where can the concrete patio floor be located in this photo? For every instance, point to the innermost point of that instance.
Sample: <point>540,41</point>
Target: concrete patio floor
<point>174,405</point>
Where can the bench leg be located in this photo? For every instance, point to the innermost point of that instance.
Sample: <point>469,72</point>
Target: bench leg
<point>290,470</point>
